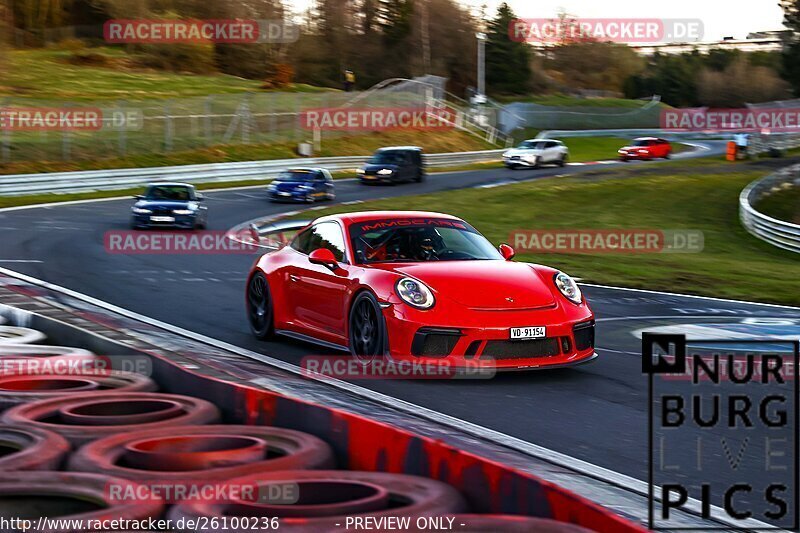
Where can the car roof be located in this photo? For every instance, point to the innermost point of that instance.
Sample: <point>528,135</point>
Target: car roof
<point>399,148</point>
<point>543,140</point>
<point>304,169</point>
<point>170,184</point>
<point>646,139</point>
<point>366,216</point>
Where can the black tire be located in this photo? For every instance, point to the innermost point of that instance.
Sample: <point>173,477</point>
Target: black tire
<point>563,161</point>
<point>668,156</point>
<point>259,307</point>
<point>367,329</point>
<point>420,176</point>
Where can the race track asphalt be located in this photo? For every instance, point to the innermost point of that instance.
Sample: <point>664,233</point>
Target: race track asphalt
<point>596,412</point>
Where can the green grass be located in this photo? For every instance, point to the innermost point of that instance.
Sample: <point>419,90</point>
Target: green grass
<point>432,142</point>
<point>783,204</point>
<point>46,74</point>
<point>732,265</point>
<point>563,100</point>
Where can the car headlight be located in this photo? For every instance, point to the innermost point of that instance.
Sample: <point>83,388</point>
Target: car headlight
<point>361,171</point>
<point>415,293</point>
<point>140,211</point>
<point>507,155</point>
<point>271,187</point>
<point>183,212</point>
<point>305,188</point>
<point>386,172</point>
<point>568,287</point>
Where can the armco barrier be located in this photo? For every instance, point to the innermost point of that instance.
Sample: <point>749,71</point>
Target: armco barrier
<point>360,444</point>
<point>103,180</point>
<point>776,232</point>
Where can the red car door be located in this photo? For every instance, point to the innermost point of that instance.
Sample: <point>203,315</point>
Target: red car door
<point>317,293</point>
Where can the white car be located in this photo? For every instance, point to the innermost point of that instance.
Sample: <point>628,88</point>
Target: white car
<point>535,152</point>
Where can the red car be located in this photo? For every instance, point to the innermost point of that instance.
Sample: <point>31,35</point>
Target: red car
<point>646,148</point>
<point>417,286</point>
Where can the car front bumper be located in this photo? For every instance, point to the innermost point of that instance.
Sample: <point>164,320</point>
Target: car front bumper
<point>483,342</point>
<point>509,162</point>
<point>293,196</point>
<point>179,221</point>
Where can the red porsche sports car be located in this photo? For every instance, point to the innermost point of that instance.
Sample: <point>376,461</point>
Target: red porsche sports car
<point>646,148</point>
<point>418,286</point>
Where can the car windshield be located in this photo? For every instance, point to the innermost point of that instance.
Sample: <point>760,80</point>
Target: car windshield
<point>641,143</point>
<point>168,193</point>
<point>295,176</point>
<point>531,145</point>
<point>415,240</point>
<point>387,158</point>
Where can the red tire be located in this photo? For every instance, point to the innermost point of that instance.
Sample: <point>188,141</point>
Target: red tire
<point>71,496</point>
<point>35,449</point>
<point>202,454</point>
<point>325,497</point>
<point>21,388</point>
<point>82,420</point>
<point>473,523</point>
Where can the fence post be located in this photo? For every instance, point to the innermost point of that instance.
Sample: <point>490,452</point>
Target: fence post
<point>244,114</point>
<point>122,134</point>
<point>208,121</point>
<point>5,146</point>
<point>168,133</point>
<point>65,141</point>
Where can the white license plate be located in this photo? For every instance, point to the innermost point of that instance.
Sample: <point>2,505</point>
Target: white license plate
<point>284,194</point>
<point>533,332</point>
<point>162,219</point>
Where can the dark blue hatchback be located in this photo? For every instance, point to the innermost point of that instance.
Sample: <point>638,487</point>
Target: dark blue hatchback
<point>172,205</point>
<point>302,185</point>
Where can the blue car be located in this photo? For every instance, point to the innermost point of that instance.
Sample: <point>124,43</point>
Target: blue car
<point>170,205</point>
<point>302,185</point>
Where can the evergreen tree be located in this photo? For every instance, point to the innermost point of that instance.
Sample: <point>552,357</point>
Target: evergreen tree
<point>508,69</point>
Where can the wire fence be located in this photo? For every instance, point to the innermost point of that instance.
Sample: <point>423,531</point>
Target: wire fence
<point>173,125</point>
<point>523,115</point>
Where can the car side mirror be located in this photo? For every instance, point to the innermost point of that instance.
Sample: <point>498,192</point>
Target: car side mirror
<point>324,257</point>
<point>507,251</point>
<point>199,197</point>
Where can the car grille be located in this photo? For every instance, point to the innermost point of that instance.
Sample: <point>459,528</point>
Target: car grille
<point>434,343</point>
<point>584,336</point>
<point>515,158</point>
<point>520,349</point>
<point>162,212</point>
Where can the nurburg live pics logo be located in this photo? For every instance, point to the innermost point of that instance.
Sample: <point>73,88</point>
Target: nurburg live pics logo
<point>722,444</point>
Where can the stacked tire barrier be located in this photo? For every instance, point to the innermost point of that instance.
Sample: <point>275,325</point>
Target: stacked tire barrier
<point>93,443</point>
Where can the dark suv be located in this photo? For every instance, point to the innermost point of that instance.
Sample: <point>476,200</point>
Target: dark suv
<point>393,165</point>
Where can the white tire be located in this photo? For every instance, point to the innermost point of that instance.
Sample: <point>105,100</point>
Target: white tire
<point>16,335</point>
<point>36,350</point>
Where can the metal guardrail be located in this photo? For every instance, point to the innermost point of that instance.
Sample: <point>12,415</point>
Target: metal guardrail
<point>102,180</point>
<point>776,232</point>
